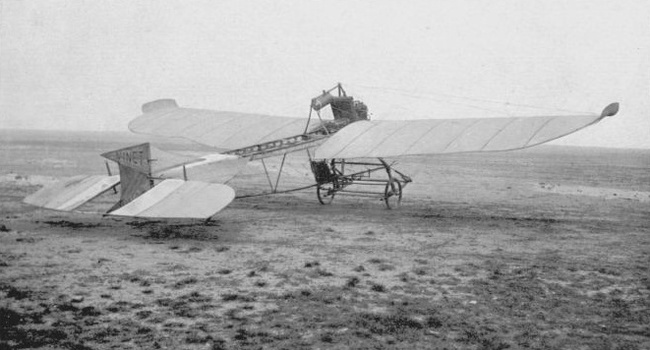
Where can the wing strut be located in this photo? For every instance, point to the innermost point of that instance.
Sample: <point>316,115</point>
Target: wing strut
<point>274,189</point>
<point>277,181</point>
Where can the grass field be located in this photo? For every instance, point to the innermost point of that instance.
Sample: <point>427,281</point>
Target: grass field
<point>541,249</point>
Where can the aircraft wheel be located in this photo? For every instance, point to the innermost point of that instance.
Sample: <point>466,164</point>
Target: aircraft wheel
<point>393,194</point>
<point>325,193</point>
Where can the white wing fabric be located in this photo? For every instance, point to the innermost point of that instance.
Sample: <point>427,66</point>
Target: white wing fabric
<point>178,199</point>
<point>226,130</point>
<point>436,136</point>
<point>71,193</point>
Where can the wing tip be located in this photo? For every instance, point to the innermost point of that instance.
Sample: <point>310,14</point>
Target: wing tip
<point>610,110</point>
<point>160,104</point>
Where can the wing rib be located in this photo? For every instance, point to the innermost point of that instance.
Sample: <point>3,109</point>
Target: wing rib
<point>459,135</point>
<point>423,135</point>
<point>538,130</point>
<point>350,143</point>
<point>497,133</point>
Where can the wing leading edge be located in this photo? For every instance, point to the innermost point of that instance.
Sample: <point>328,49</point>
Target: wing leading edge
<point>438,136</point>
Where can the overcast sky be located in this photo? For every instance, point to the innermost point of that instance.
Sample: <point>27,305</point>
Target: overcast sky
<point>90,65</point>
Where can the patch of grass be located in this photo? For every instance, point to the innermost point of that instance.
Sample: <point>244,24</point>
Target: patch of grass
<point>90,311</point>
<point>10,318</point>
<point>404,277</point>
<point>420,271</point>
<point>15,293</point>
<point>388,324</point>
<point>385,267</point>
<point>161,230</point>
<point>164,231</point>
<point>352,282</point>
<point>143,314</point>
<point>196,297</point>
<point>229,297</point>
<point>261,283</point>
<point>219,344</point>
<point>377,287</point>
<point>184,282</point>
<point>608,271</point>
<point>118,306</point>
<point>467,270</point>
<point>197,337</point>
<point>70,224</point>
<point>251,337</point>
<point>144,224</point>
<point>174,324</point>
<point>327,337</point>
<point>323,272</point>
<point>484,339</point>
<point>67,307</point>
<point>238,297</point>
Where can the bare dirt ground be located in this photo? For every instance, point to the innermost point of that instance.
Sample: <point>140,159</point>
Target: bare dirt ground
<point>543,249</point>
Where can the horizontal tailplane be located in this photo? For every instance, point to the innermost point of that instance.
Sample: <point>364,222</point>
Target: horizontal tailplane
<point>178,199</point>
<point>71,193</point>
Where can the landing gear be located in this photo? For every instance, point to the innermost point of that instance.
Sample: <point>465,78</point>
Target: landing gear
<point>393,194</point>
<point>325,193</point>
<point>354,178</point>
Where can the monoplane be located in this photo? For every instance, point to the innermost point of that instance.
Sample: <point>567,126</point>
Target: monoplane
<point>347,154</point>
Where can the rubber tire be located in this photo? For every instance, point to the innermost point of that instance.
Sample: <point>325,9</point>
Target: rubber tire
<point>322,199</point>
<point>387,197</point>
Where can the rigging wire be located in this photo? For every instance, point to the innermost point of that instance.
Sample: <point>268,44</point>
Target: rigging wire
<point>439,100</point>
<point>436,96</point>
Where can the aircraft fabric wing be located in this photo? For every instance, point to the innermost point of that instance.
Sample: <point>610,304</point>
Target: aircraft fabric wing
<point>73,192</point>
<point>225,130</point>
<point>179,199</point>
<point>438,136</point>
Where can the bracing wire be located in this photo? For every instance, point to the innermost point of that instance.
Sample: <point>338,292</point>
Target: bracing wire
<point>437,96</point>
<point>436,99</point>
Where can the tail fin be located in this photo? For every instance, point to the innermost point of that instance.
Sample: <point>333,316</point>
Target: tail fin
<point>135,171</point>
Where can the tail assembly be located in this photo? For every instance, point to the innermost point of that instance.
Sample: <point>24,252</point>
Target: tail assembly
<point>170,198</point>
<point>135,171</point>
<point>71,193</point>
<point>140,196</point>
